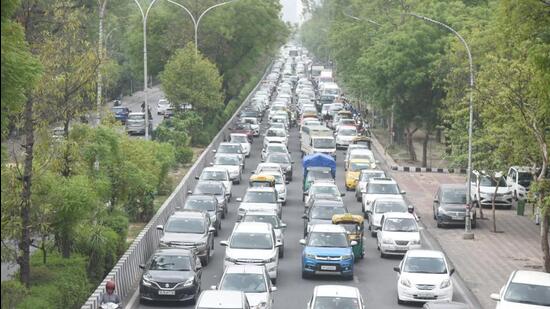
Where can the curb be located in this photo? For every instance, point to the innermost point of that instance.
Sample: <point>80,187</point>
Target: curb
<point>415,169</point>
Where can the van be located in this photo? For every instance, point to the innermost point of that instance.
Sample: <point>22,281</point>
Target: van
<point>317,139</point>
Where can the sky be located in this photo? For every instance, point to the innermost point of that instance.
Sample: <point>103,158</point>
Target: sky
<point>291,10</point>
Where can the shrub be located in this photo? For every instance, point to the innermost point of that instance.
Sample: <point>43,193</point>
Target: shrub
<point>184,154</point>
<point>13,292</point>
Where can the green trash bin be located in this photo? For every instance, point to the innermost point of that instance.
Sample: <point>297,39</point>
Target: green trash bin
<point>521,207</point>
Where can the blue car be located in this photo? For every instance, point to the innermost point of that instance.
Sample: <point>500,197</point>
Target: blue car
<point>327,250</point>
<point>121,113</point>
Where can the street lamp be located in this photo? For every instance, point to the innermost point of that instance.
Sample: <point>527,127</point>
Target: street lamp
<point>197,21</point>
<point>468,234</point>
<point>144,16</point>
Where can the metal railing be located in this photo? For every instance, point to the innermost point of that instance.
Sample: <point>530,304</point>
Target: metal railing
<point>126,272</point>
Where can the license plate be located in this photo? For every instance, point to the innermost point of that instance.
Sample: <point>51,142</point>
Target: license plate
<point>457,218</point>
<point>425,295</point>
<point>163,292</point>
<point>328,267</point>
<point>400,247</point>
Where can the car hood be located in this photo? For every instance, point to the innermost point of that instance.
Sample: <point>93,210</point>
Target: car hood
<point>328,251</point>
<point>230,168</point>
<point>168,276</point>
<point>401,235</point>
<point>255,299</point>
<point>352,175</point>
<point>454,207</point>
<point>319,221</point>
<point>252,205</point>
<point>510,305</point>
<point>434,279</point>
<point>491,190</point>
<point>275,138</point>
<point>249,254</point>
<point>183,237</point>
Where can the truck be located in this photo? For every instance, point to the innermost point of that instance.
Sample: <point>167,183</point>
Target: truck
<point>317,139</point>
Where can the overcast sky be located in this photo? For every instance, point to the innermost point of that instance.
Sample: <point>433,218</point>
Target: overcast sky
<point>291,10</point>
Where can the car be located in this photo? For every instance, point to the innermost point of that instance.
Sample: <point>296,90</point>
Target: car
<point>253,280</point>
<point>253,243</point>
<point>280,185</point>
<point>216,299</point>
<point>254,124</point>
<point>317,173</point>
<point>275,135</point>
<point>284,161</point>
<point>344,122</point>
<point>135,123</point>
<point>259,198</point>
<point>450,205</point>
<point>121,113</point>
<point>233,165</point>
<point>336,296</point>
<point>364,177</point>
<point>171,275</point>
<point>381,206</point>
<point>162,106</point>
<point>272,218</point>
<point>377,188</point>
<point>519,179</point>
<point>399,233</point>
<point>351,148</point>
<point>319,196</point>
<point>213,188</point>
<point>345,135</point>
<point>243,128</point>
<point>353,171</point>
<point>274,148</point>
<point>321,212</point>
<point>363,154</point>
<point>242,139</point>
<point>278,125</point>
<point>189,230</point>
<point>208,204</point>
<point>326,187</point>
<point>424,276</point>
<point>231,148</point>
<point>524,289</point>
<point>217,174</point>
<point>327,250</point>
<point>486,186</point>
<point>264,167</point>
<point>445,305</point>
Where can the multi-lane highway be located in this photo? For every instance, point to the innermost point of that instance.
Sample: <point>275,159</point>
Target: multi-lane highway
<point>374,276</point>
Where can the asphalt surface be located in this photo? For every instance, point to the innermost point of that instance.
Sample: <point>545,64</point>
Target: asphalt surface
<point>373,275</point>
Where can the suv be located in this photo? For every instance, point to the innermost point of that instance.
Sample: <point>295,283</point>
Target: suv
<point>364,177</point>
<point>325,187</point>
<point>231,148</point>
<point>486,186</point>
<point>253,243</point>
<point>381,206</point>
<point>217,174</point>
<point>270,217</point>
<point>214,188</point>
<point>208,204</point>
<point>327,250</point>
<point>524,289</point>
<point>321,212</point>
<point>222,300</point>
<point>253,280</point>
<point>135,123</point>
<point>259,198</point>
<point>519,180</point>
<point>189,230</point>
<point>336,296</point>
<point>377,188</point>
<point>399,233</point>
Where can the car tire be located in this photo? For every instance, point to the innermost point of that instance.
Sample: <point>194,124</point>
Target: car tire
<point>216,233</point>
<point>399,301</point>
<point>274,281</point>
<point>206,259</point>
<point>282,252</point>
<point>382,254</point>
<point>515,196</point>
<point>439,224</point>
<point>349,277</point>
<point>474,223</point>
<point>373,233</point>
<point>223,214</point>
<point>196,296</point>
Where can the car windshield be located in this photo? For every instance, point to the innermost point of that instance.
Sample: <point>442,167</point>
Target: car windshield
<point>486,181</point>
<point>277,125</point>
<point>350,227</point>
<point>271,219</point>
<point>324,143</point>
<point>209,188</point>
<point>425,265</point>
<point>347,132</point>
<point>229,148</point>
<point>320,239</point>
<point>260,197</point>
<point>325,302</point>
<point>312,123</point>
<point>453,196</point>
<point>400,225</point>
<point>525,179</point>
<point>357,166</point>
<point>248,283</point>
<point>250,120</point>
<point>389,206</point>
<point>362,156</point>
<point>324,190</point>
<point>214,175</point>
<point>170,262</point>
<point>528,294</point>
<point>225,160</point>
<point>382,188</point>
<point>276,149</point>
<point>251,241</point>
<point>239,139</point>
<point>243,126</point>
<point>278,159</point>
<point>201,204</point>
<point>312,175</point>
<point>278,178</point>
<point>326,212</point>
<point>276,133</point>
<point>136,117</point>
<point>118,109</point>
<point>185,225</point>
<point>367,176</point>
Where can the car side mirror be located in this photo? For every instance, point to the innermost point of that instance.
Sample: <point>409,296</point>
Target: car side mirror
<point>436,200</point>
<point>273,288</point>
<point>224,243</point>
<point>451,272</point>
<point>239,199</point>
<point>304,217</point>
<point>211,163</point>
<point>403,192</point>
<point>302,242</point>
<point>353,243</point>
<point>211,229</point>
<point>287,182</point>
<point>278,243</point>
<point>189,192</point>
<point>214,150</point>
<point>142,266</point>
<point>397,269</point>
<point>495,296</point>
<point>196,177</point>
<point>283,225</point>
<point>198,266</point>
<point>213,287</point>
<point>160,227</point>
<point>343,194</point>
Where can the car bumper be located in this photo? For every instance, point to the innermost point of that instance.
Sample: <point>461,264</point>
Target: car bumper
<point>351,183</point>
<point>452,220</point>
<point>413,294</point>
<point>392,249</point>
<point>136,130</point>
<point>180,294</point>
<point>499,202</point>
<point>317,267</point>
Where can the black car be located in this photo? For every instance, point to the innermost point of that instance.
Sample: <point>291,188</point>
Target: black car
<point>449,205</point>
<point>206,203</point>
<point>321,212</point>
<point>212,188</point>
<point>171,275</point>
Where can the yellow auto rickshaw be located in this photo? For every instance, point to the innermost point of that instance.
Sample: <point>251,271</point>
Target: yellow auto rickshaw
<point>363,140</point>
<point>354,227</point>
<point>260,181</point>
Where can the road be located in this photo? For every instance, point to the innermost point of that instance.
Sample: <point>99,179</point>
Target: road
<point>374,276</point>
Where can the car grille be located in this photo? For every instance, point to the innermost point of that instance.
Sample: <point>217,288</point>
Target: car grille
<point>250,261</point>
<point>328,258</point>
<point>425,287</point>
<point>401,242</point>
<point>167,285</point>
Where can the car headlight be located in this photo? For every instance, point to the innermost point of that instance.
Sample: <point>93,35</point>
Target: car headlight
<point>387,241</point>
<point>486,195</point>
<point>405,282</point>
<point>347,257</point>
<point>310,256</point>
<point>415,242</point>
<point>229,259</point>
<point>445,284</point>
<point>189,282</point>
<point>441,210</point>
<point>146,282</point>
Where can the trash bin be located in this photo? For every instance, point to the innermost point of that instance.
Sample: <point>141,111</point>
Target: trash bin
<point>521,207</point>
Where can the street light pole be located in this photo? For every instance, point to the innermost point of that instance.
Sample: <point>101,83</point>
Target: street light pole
<point>144,16</point>
<point>468,234</point>
<point>197,21</point>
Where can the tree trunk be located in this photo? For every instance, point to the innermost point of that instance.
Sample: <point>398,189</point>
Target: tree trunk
<point>493,204</point>
<point>425,149</point>
<point>545,223</point>
<point>23,258</point>
<point>481,215</point>
<point>438,135</point>
<point>410,145</point>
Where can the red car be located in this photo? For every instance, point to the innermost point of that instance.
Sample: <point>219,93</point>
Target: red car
<point>244,128</point>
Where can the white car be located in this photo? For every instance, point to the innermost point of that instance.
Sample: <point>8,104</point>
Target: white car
<point>519,180</point>
<point>364,177</point>
<point>259,198</point>
<point>486,186</point>
<point>254,124</point>
<point>525,289</point>
<point>280,185</point>
<point>272,218</point>
<point>350,149</point>
<point>423,276</point>
<point>222,300</point>
<point>336,296</point>
<point>275,135</point>
<point>273,148</point>
<point>379,188</point>
<point>263,167</point>
<point>162,106</point>
<point>253,280</point>
<point>322,187</point>
<point>381,206</point>
<point>398,234</point>
<point>345,135</point>
<point>242,139</point>
<point>253,243</point>
<point>361,154</point>
<point>233,165</point>
<point>218,174</point>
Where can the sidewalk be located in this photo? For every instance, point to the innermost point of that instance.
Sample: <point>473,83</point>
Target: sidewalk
<point>486,262</point>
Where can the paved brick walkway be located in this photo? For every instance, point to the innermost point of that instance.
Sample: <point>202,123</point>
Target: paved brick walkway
<point>486,262</point>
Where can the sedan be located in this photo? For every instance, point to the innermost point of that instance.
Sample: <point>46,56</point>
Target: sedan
<point>525,289</point>
<point>284,161</point>
<point>449,206</point>
<point>253,280</point>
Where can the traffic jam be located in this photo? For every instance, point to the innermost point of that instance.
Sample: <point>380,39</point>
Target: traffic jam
<point>298,127</point>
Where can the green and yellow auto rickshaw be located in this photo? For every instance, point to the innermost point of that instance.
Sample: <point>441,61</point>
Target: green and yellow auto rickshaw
<point>355,227</point>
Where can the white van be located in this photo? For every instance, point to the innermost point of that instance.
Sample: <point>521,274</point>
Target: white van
<point>518,180</point>
<point>317,139</point>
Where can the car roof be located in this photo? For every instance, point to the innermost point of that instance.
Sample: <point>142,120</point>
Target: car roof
<point>247,269</point>
<point>213,168</point>
<point>253,227</point>
<point>445,305</point>
<point>360,160</point>
<point>382,180</point>
<point>221,299</point>
<point>425,253</point>
<point>327,228</point>
<point>230,144</point>
<point>400,215</point>
<point>328,203</point>
<point>261,212</point>
<point>523,168</point>
<point>237,134</point>
<point>323,183</point>
<point>200,197</point>
<point>361,150</point>
<point>531,277</point>
<point>137,113</point>
<point>367,171</point>
<point>347,127</point>
<point>210,182</point>
<point>174,251</point>
<point>188,214</point>
<point>336,291</point>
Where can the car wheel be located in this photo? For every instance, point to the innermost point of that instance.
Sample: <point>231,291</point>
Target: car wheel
<point>439,223</point>
<point>373,233</point>
<point>474,223</point>
<point>223,214</point>
<point>382,254</point>
<point>399,301</point>
<point>515,195</point>
<point>282,252</point>
<point>274,281</point>
<point>284,203</point>
<point>196,296</point>
<point>216,232</point>
<point>206,258</point>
